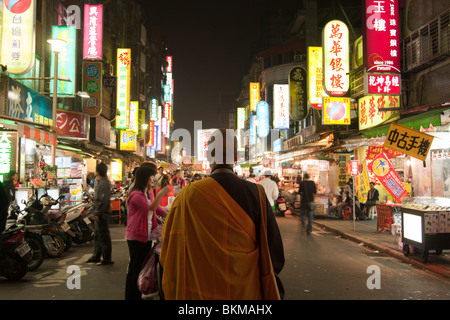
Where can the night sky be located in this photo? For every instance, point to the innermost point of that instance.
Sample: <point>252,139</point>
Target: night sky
<point>211,43</point>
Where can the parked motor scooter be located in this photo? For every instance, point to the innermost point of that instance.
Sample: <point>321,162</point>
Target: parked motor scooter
<point>43,237</point>
<point>280,206</point>
<point>72,221</point>
<point>15,253</point>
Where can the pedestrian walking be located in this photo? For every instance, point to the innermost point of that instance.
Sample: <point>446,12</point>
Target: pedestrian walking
<point>102,212</point>
<point>165,182</point>
<point>270,187</point>
<point>307,191</point>
<point>139,226</point>
<point>220,238</point>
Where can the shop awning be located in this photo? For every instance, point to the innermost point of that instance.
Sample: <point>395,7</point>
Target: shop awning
<point>424,120</point>
<point>38,135</point>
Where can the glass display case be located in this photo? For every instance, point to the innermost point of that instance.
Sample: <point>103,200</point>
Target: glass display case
<point>426,224</point>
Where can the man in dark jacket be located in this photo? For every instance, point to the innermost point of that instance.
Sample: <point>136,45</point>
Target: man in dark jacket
<point>307,190</point>
<point>102,210</point>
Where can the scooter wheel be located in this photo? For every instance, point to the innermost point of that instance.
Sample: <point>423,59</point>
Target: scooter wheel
<point>17,270</point>
<point>37,249</point>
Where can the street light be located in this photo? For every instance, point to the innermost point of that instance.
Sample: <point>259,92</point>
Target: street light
<point>57,46</point>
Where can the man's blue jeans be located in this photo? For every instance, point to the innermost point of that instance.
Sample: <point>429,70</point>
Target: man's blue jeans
<point>307,214</point>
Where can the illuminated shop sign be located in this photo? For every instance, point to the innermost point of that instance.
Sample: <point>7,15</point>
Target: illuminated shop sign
<point>73,124</point>
<point>127,140</point>
<point>369,114</point>
<point>116,170</point>
<point>315,76</point>
<point>18,35</point>
<point>382,36</point>
<point>298,104</point>
<point>26,104</point>
<point>169,61</point>
<point>123,87</point>
<point>262,114</point>
<point>93,85</point>
<point>134,116</point>
<point>240,127</point>
<point>154,110</point>
<point>281,106</point>
<point>336,58</point>
<point>336,111</point>
<point>254,95</point>
<point>5,154</point>
<point>66,60</point>
<point>382,83</point>
<point>93,31</point>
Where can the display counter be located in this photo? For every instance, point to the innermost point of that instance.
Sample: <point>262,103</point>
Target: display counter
<point>322,205</point>
<point>426,225</point>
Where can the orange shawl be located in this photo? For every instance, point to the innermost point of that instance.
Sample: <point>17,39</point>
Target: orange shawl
<point>210,248</point>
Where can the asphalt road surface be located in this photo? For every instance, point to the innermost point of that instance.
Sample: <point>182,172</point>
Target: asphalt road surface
<point>322,266</point>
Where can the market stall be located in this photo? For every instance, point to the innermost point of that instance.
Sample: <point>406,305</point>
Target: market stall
<point>426,225</point>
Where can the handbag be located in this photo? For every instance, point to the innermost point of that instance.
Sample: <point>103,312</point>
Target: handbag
<point>147,277</point>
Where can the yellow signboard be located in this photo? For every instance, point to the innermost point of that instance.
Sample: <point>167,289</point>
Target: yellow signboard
<point>369,114</point>
<point>336,111</point>
<point>127,140</point>
<point>116,170</point>
<point>18,36</point>
<point>254,95</point>
<point>411,142</point>
<point>315,75</point>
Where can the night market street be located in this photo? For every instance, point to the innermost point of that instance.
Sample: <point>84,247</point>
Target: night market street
<point>323,266</point>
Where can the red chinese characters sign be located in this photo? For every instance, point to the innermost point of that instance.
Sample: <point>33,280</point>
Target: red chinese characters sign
<point>382,36</point>
<point>369,114</point>
<point>336,58</point>
<point>386,174</point>
<point>73,124</point>
<point>388,84</point>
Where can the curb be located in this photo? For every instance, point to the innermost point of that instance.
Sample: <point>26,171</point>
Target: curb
<point>386,250</point>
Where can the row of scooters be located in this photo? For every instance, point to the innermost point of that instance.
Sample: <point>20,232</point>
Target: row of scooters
<point>41,229</point>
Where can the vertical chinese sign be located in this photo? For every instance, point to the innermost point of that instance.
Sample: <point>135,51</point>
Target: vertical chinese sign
<point>298,105</point>
<point>254,95</point>
<point>6,154</point>
<point>262,114</point>
<point>240,128</point>
<point>281,106</point>
<point>92,84</point>
<point>123,88</point>
<point>93,32</point>
<point>382,36</point>
<point>315,74</point>
<point>18,36</point>
<point>336,58</point>
<point>66,60</point>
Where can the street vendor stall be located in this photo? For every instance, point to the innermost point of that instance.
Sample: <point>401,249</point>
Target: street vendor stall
<point>426,225</point>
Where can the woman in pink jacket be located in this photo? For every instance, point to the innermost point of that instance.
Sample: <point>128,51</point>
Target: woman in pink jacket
<point>140,205</point>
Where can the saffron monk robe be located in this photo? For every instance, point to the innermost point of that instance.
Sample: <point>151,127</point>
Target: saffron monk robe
<point>221,242</point>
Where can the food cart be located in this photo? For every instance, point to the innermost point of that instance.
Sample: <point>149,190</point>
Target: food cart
<point>426,225</point>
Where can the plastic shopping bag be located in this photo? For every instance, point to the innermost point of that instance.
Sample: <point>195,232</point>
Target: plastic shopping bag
<point>147,277</point>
